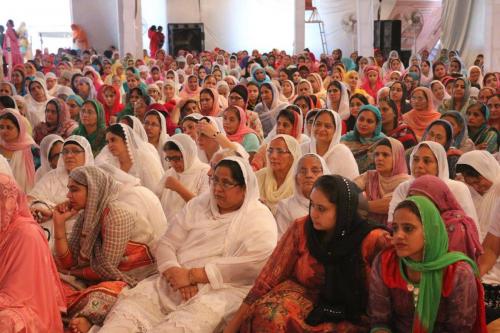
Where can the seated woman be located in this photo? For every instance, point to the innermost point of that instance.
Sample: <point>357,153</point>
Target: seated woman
<point>136,125</point>
<point>460,97</point>
<point>126,151</point>
<point>74,103</point>
<point>362,140</point>
<point>463,235</point>
<point>399,95</point>
<point>57,121</point>
<point>237,130</point>
<point>17,146</point>
<point>422,113</point>
<point>185,179</point>
<point>156,131</point>
<point>338,99</point>
<point>276,179</point>
<point>317,275</point>
<point>379,184</point>
<point>36,100</point>
<point>325,141</point>
<point>209,102</point>
<point>269,107</point>
<point>309,168</point>
<point>461,139</point>
<point>108,249</point>
<point>393,127</point>
<point>50,150</point>
<point>429,158</point>
<point>483,135</point>
<point>189,125</point>
<point>418,285</point>
<point>355,103</point>
<point>92,125</point>
<point>31,295</point>
<point>206,262</point>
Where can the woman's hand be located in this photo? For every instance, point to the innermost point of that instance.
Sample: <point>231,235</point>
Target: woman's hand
<point>177,277</point>
<point>188,292</point>
<point>41,213</point>
<point>207,128</point>
<point>172,183</point>
<point>63,212</point>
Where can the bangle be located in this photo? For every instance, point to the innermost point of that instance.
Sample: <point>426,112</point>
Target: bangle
<point>40,202</point>
<point>215,134</point>
<point>191,277</point>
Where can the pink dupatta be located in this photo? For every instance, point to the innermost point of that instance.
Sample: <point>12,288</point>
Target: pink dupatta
<point>243,128</point>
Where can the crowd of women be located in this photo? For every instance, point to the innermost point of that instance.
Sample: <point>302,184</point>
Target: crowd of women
<point>226,192</point>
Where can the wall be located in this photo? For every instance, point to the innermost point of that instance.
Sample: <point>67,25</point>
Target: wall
<point>99,19</point>
<point>492,42</point>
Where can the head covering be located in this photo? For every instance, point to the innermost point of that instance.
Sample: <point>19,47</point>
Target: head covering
<point>163,133</point>
<point>448,128</point>
<point>92,91</point>
<point>465,99</point>
<point>214,112</point>
<point>480,79</point>
<point>440,155</point>
<point>63,90</point>
<point>437,101</point>
<point>78,100</point>
<point>187,92</point>
<point>435,259</point>
<point>344,110</point>
<point>419,120</point>
<point>269,191</point>
<point>115,108</point>
<point>97,139</point>
<point>138,128</point>
<point>242,129</point>
<point>12,88</point>
<point>298,199</point>
<point>365,85</point>
<point>268,114</point>
<point>23,168</point>
<point>45,147</point>
<point>64,126</point>
<point>336,136</point>
<point>462,230</point>
<point>242,91</point>
<point>460,138</point>
<point>256,68</point>
<point>377,134</point>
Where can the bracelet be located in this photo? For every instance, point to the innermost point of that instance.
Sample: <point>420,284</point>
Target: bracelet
<point>40,202</point>
<point>191,277</point>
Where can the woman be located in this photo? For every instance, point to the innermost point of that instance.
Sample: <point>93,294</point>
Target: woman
<point>366,133</point>
<point>338,99</point>
<point>209,102</point>
<point>461,139</point>
<point>50,150</point>
<point>17,146</point>
<point>57,121</point>
<point>105,259</point>
<point>460,97</point>
<point>490,80</point>
<point>422,113</point>
<point>18,79</point>
<point>316,278</point>
<point>483,136</point>
<point>253,95</point>
<point>36,100</point>
<point>86,89</point>
<point>270,106</point>
<point>355,103</point>
<point>156,131</point>
<point>276,179</point>
<point>418,285</point>
<point>429,158</point>
<point>237,130</point>
<point>392,126</point>
<point>109,97</point>
<point>185,179</point>
<point>288,90</point>
<point>462,232</point>
<point>31,295</point>
<point>399,95</point>
<point>206,262</point>
<point>192,89</point>
<point>475,77</point>
<point>309,168</point>
<point>493,104</point>
<point>352,80</point>
<point>372,82</point>
<point>132,155</point>
<point>92,125</point>
<point>325,141</point>
<point>170,95</point>
<point>239,97</point>
<point>74,103</point>
<point>439,93</point>
<point>379,184</point>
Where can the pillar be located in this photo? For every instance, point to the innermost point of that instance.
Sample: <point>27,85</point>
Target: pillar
<point>492,42</point>
<point>130,27</point>
<point>300,26</point>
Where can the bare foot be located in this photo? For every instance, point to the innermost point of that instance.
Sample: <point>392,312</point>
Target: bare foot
<point>79,325</point>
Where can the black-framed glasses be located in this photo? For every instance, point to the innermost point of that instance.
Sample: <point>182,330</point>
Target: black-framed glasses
<point>226,185</point>
<point>173,158</point>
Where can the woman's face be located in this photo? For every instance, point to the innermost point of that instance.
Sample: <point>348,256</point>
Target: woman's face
<point>480,184</point>
<point>280,158</point>
<point>474,75</point>
<point>8,130</point>
<point>438,91</point>
<point>155,74</point>
<point>454,67</point>
<point>266,95</point>
<point>419,100</point>
<point>284,126</point>
<point>189,128</point>
<point>227,194</point>
<point>439,72</point>
<point>304,89</point>
<point>334,94</point>
<point>287,88</point>
<point>395,64</point>
<point>154,93</point>
<point>354,106</point>
<point>83,89</point>
<point>424,162</point>
<point>437,133</point>
<point>77,195</point>
<point>169,92</point>
<point>283,76</point>
<point>475,117</point>
<point>193,83</point>
<point>454,124</point>
<point>73,156</point>
<point>88,115</point>
<point>206,102</point>
<point>324,128</point>
<point>116,145</point>
<point>313,82</point>
<point>323,213</point>
<point>51,114</point>
<point>230,121</point>
<point>425,68</point>
<point>383,160</point>
<point>140,108</point>
<point>366,124</point>
<point>37,91</point>
<point>459,89</point>
<point>5,89</point>
<point>337,76</point>
<point>132,82</point>
<point>396,93</point>
<point>202,74</point>
<point>175,160</point>
<point>152,127</point>
<point>372,77</point>
<point>170,76</point>
<point>484,95</point>
<point>296,77</point>
<point>309,169</point>
<point>55,152</point>
<point>210,82</point>
<point>491,81</point>
<point>353,80</point>
<point>74,109</point>
<point>217,75</point>
<point>17,78</point>
<point>109,97</point>
<point>260,75</point>
<point>253,93</point>
<point>408,235</point>
<point>494,106</point>
<point>409,82</point>
<point>386,112</point>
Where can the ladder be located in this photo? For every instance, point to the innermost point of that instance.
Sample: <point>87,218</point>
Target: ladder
<point>315,18</point>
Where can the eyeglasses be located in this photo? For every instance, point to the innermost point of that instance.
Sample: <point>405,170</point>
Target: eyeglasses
<point>173,158</point>
<point>279,151</point>
<point>66,152</point>
<point>148,124</point>
<point>235,98</point>
<point>223,183</point>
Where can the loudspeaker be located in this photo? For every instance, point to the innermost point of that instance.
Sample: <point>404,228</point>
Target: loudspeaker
<point>405,57</point>
<point>185,36</point>
<point>387,35</point>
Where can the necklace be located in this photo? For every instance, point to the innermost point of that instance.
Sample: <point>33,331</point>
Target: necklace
<point>415,291</point>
